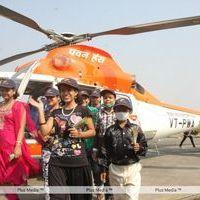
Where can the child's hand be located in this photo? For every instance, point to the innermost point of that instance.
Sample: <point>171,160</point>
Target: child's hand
<point>38,104</point>
<point>74,133</point>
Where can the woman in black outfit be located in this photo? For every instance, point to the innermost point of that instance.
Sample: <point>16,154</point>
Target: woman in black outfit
<point>68,165</point>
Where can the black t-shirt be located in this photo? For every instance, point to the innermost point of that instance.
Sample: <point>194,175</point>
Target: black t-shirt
<point>68,151</point>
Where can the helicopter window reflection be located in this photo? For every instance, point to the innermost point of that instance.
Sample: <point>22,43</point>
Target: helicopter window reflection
<point>138,87</point>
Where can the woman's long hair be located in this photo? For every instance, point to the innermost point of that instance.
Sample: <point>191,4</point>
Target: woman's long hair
<point>15,95</point>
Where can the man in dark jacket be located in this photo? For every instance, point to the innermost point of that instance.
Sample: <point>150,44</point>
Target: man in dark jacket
<point>124,143</point>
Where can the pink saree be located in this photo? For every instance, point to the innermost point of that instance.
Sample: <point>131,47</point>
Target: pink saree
<point>17,171</point>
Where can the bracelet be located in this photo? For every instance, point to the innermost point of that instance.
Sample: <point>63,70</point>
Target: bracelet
<point>42,123</point>
<point>18,142</point>
<point>80,135</point>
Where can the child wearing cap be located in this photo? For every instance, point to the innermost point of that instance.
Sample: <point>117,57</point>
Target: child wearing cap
<point>105,118</point>
<point>124,143</point>
<point>95,99</point>
<point>92,103</point>
<point>53,100</point>
<point>68,165</point>
<point>83,98</point>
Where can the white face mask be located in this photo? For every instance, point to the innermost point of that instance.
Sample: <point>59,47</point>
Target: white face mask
<point>122,116</point>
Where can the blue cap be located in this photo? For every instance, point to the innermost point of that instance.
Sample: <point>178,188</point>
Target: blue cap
<point>103,92</point>
<point>95,93</point>
<point>68,82</point>
<point>8,83</point>
<point>51,92</point>
<point>123,102</point>
<point>83,93</point>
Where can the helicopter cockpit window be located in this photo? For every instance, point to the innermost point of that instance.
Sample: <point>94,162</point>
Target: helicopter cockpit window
<point>138,87</point>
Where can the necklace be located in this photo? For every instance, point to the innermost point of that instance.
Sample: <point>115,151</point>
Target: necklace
<point>5,107</point>
<point>69,113</point>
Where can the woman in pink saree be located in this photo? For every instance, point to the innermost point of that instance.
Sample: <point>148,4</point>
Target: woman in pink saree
<point>16,164</point>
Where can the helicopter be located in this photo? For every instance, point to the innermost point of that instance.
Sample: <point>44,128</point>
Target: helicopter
<point>95,68</point>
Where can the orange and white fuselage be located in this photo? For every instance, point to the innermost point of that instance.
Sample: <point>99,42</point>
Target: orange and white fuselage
<point>95,68</point>
<point>159,122</point>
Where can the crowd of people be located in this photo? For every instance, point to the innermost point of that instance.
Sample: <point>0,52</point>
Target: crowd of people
<point>88,138</point>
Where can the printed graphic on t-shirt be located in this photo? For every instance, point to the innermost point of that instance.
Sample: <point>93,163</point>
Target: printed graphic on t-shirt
<point>64,144</point>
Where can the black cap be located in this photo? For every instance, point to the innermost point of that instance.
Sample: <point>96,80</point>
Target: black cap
<point>51,92</point>
<point>69,82</point>
<point>7,83</point>
<point>103,92</point>
<point>83,93</point>
<point>95,93</point>
<point>123,102</point>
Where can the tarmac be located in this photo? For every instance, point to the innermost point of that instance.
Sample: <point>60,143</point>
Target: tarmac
<point>164,165</point>
<point>172,166</point>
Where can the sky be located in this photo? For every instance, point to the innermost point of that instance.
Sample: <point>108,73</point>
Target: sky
<point>166,63</point>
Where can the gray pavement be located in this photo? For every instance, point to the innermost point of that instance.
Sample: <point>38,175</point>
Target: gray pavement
<point>173,166</point>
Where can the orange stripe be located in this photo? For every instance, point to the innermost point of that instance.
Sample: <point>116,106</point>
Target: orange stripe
<point>148,98</point>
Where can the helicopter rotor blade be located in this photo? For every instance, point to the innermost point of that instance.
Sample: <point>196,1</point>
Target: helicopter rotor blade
<point>142,28</point>
<point>21,55</point>
<point>18,56</point>
<point>19,18</point>
<point>69,38</point>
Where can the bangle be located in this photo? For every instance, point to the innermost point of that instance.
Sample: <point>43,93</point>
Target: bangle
<point>18,142</point>
<point>42,123</point>
<point>80,135</point>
